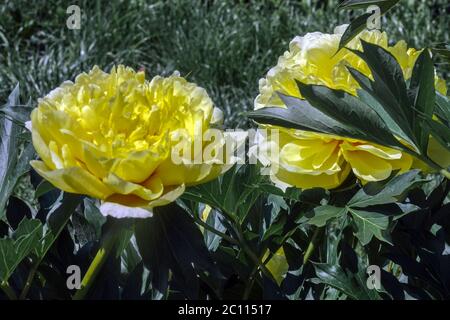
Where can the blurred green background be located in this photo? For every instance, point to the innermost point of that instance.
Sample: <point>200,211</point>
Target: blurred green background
<point>224,46</point>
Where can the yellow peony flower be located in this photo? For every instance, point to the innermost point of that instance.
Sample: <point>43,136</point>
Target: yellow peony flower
<point>110,135</point>
<point>309,159</point>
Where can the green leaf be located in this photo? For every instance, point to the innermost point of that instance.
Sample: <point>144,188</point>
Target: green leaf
<point>13,162</point>
<point>351,112</point>
<point>368,99</point>
<point>62,210</point>
<point>43,188</point>
<point>359,24</point>
<point>355,27</point>
<point>438,130</point>
<point>300,114</point>
<point>130,257</point>
<point>336,277</point>
<point>57,218</point>
<point>155,252</point>
<point>170,240</point>
<point>423,95</point>
<point>234,193</point>
<point>94,216</point>
<point>369,224</point>
<point>374,193</point>
<point>18,113</point>
<point>212,240</point>
<point>124,235</point>
<point>442,107</point>
<point>276,203</point>
<point>388,87</point>
<point>13,250</point>
<point>324,213</point>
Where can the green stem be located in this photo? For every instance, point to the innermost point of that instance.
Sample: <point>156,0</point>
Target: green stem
<point>103,252</point>
<point>251,254</point>
<point>253,278</point>
<point>311,246</point>
<point>29,280</point>
<point>250,284</point>
<point>217,232</point>
<point>8,290</point>
<point>445,173</point>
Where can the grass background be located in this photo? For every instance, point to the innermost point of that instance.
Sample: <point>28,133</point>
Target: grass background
<point>224,46</point>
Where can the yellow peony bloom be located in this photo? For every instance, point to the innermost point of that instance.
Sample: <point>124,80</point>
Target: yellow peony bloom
<point>110,135</point>
<point>309,159</point>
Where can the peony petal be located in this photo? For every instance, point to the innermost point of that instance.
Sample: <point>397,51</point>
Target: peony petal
<point>73,180</point>
<point>120,211</point>
<point>367,166</point>
<point>307,181</point>
<point>150,191</point>
<point>171,195</point>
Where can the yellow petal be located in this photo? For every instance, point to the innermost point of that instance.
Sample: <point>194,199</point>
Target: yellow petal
<point>152,189</point>
<point>438,153</point>
<point>170,195</point>
<point>73,180</point>
<point>366,166</point>
<point>307,181</point>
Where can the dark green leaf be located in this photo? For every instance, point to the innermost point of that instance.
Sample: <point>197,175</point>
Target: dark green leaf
<point>212,240</point>
<point>360,23</point>
<point>351,112</point>
<point>393,191</point>
<point>388,87</point>
<point>93,215</point>
<point>14,250</point>
<point>334,276</point>
<point>423,95</point>
<point>170,240</point>
<point>62,210</point>
<point>324,213</point>
<point>19,114</point>
<point>443,107</point>
<point>43,188</point>
<point>438,130</point>
<point>12,165</point>
<point>369,224</point>
<point>355,27</point>
<point>58,216</point>
<point>234,193</point>
<point>16,211</point>
<point>299,114</point>
<point>368,99</point>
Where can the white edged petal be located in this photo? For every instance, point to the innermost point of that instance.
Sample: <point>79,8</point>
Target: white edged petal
<point>120,211</point>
